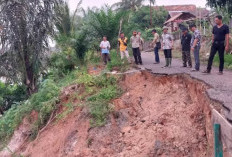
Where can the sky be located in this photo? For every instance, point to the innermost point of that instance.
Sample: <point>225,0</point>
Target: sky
<point>99,3</point>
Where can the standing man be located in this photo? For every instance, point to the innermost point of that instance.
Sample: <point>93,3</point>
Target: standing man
<point>135,42</point>
<point>196,46</point>
<point>156,44</point>
<point>122,42</point>
<point>105,47</point>
<point>185,42</point>
<point>220,43</point>
<point>167,46</point>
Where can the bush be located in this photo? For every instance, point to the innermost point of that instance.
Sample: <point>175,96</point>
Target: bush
<point>117,63</point>
<point>228,60</point>
<point>99,111</point>
<point>99,102</point>
<point>62,63</point>
<point>43,102</point>
<point>11,94</point>
<point>93,57</point>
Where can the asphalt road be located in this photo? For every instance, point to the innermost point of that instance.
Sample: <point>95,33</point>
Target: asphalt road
<point>221,84</point>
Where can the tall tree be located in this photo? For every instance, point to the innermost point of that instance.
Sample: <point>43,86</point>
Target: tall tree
<point>151,9</point>
<point>26,27</point>
<point>128,4</point>
<point>221,4</point>
<point>104,22</point>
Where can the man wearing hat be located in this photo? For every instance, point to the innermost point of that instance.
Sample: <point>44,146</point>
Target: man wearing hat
<point>167,45</point>
<point>185,42</point>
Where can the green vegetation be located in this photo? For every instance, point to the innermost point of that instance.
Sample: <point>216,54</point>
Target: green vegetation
<point>228,61</point>
<point>44,102</point>
<point>11,94</point>
<point>116,62</point>
<point>221,5</point>
<point>99,91</point>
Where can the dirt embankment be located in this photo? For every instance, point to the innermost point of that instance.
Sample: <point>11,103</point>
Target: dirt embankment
<point>166,116</point>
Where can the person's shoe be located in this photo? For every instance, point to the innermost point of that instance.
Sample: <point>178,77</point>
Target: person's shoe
<point>190,66</point>
<point>206,72</point>
<point>184,66</point>
<point>194,70</point>
<point>141,63</point>
<point>165,66</point>
<point>156,63</point>
<point>220,73</point>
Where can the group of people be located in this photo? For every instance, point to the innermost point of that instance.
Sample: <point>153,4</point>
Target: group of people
<point>190,43</point>
<point>136,43</point>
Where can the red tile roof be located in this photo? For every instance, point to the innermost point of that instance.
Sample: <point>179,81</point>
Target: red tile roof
<point>190,8</point>
<point>175,9</point>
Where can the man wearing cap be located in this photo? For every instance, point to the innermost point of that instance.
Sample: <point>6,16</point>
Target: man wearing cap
<point>185,42</point>
<point>167,45</point>
<point>196,46</point>
<point>135,42</point>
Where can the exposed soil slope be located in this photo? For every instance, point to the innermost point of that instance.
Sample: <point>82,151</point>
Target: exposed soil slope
<point>165,116</point>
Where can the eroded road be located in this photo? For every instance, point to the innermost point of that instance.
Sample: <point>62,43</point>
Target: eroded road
<point>221,84</point>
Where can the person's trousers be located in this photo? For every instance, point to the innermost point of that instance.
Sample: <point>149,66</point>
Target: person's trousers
<point>220,48</point>
<point>106,57</point>
<point>124,54</point>
<point>137,55</point>
<point>156,51</point>
<point>186,57</point>
<point>168,53</point>
<point>197,57</point>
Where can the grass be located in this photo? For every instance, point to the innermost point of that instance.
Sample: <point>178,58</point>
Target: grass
<point>100,91</point>
<point>117,63</point>
<point>44,102</point>
<point>98,94</point>
<point>228,61</point>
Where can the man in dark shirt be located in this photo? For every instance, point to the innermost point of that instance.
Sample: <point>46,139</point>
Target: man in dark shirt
<point>220,43</point>
<point>185,42</point>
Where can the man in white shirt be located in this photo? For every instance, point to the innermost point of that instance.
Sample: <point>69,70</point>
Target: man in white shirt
<point>167,46</point>
<point>105,47</point>
<point>135,42</point>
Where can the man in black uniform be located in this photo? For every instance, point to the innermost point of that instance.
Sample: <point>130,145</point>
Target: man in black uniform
<point>185,42</point>
<point>220,43</point>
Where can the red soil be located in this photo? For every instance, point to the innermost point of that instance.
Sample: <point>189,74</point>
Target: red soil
<point>156,116</point>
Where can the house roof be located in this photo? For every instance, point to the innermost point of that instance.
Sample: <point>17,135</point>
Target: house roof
<point>174,9</point>
<point>190,8</point>
<point>185,16</point>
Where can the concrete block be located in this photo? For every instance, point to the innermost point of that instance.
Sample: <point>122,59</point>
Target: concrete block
<point>226,129</point>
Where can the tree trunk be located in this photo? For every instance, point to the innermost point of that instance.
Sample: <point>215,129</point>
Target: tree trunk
<point>1,111</point>
<point>29,71</point>
<point>150,15</point>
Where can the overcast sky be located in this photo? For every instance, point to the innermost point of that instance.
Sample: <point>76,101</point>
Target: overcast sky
<point>99,3</point>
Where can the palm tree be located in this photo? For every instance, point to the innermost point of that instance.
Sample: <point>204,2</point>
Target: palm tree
<point>151,2</point>
<point>128,4</point>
